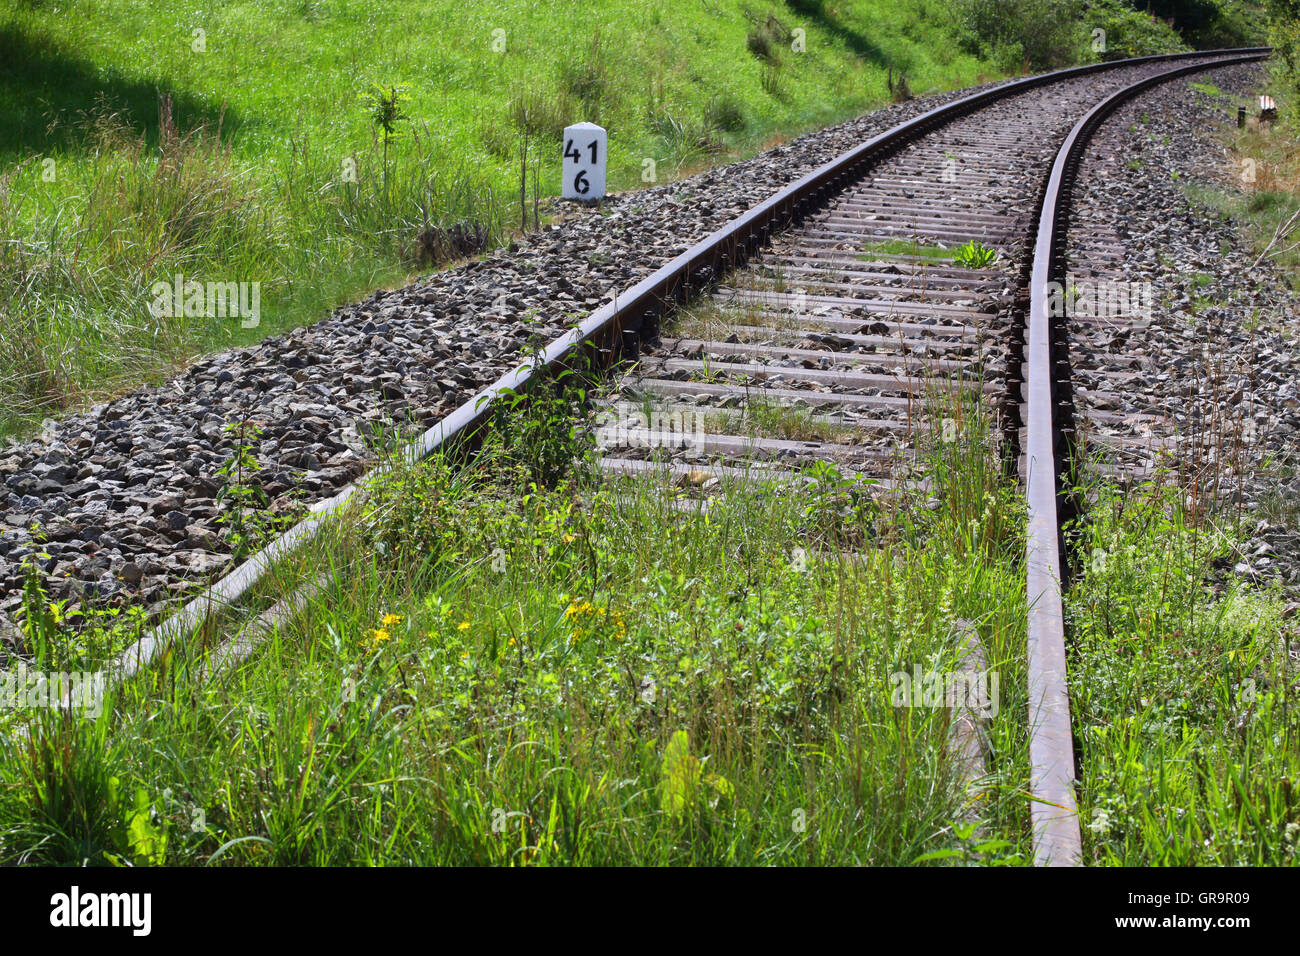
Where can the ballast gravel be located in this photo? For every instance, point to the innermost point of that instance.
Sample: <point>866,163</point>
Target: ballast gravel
<point>121,503</point>
<point>1213,396</point>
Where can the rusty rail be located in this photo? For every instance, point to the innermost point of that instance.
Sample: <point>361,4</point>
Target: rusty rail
<point>1051,749</point>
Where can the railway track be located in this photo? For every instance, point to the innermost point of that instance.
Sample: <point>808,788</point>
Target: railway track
<point>857,315</point>
<point>842,298</point>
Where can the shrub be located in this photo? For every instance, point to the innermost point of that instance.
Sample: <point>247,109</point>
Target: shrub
<point>1130,32</point>
<point>766,37</point>
<point>1047,33</point>
<point>1208,24</point>
<point>723,112</point>
<point>1284,35</point>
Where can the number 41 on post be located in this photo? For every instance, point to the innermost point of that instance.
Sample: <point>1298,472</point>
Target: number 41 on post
<point>584,162</point>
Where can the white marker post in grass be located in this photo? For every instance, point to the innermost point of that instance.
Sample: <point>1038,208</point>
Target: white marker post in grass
<point>583,169</point>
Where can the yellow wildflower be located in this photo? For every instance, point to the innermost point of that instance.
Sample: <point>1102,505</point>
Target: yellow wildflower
<point>620,626</point>
<point>594,616</point>
<point>574,609</point>
<point>463,626</point>
<point>392,619</point>
<point>378,637</point>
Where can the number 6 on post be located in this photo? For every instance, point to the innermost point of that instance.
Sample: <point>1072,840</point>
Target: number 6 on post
<point>584,162</point>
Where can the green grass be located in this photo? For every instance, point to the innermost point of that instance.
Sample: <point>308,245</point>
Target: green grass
<point>768,419</point>
<point>1182,695</point>
<point>903,247</point>
<point>517,662</point>
<point>502,674</point>
<point>248,174</point>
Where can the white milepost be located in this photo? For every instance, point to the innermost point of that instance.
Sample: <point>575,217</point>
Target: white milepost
<point>584,162</point>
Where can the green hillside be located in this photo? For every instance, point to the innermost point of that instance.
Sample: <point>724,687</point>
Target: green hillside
<point>137,196</point>
<point>233,140</point>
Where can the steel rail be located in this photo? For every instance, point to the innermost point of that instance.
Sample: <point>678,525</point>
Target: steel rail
<point>612,330</point>
<point>1054,813</point>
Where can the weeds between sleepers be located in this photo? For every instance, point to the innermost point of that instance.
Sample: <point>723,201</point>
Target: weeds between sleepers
<point>519,672</point>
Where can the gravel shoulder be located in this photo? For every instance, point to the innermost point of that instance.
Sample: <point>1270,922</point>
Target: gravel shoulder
<point>119,504</point>
<point>1215,391</point>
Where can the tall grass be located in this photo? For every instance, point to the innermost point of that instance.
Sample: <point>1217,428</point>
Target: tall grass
<point>576,674</point>
<point>1262,190</point>
<point>1182,694</point>
<point>75,275</point>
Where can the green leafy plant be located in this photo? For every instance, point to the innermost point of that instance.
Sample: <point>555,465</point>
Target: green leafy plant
<point>146,836</point>
<point>976,255</point>
<point>840,508</point>
<point>540,433</point>
<point>681,775</point>
<point>40,618</point>
<point>244,499</point>
<point>973,849</point>
<point>384,103</point>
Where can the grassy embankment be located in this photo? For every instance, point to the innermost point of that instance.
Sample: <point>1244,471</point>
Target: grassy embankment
<point>1260,189</point>
<point>248,176</point>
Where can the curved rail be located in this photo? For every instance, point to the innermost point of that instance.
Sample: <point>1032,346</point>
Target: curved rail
<point>615,328</point>
<point>1051,750</point>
